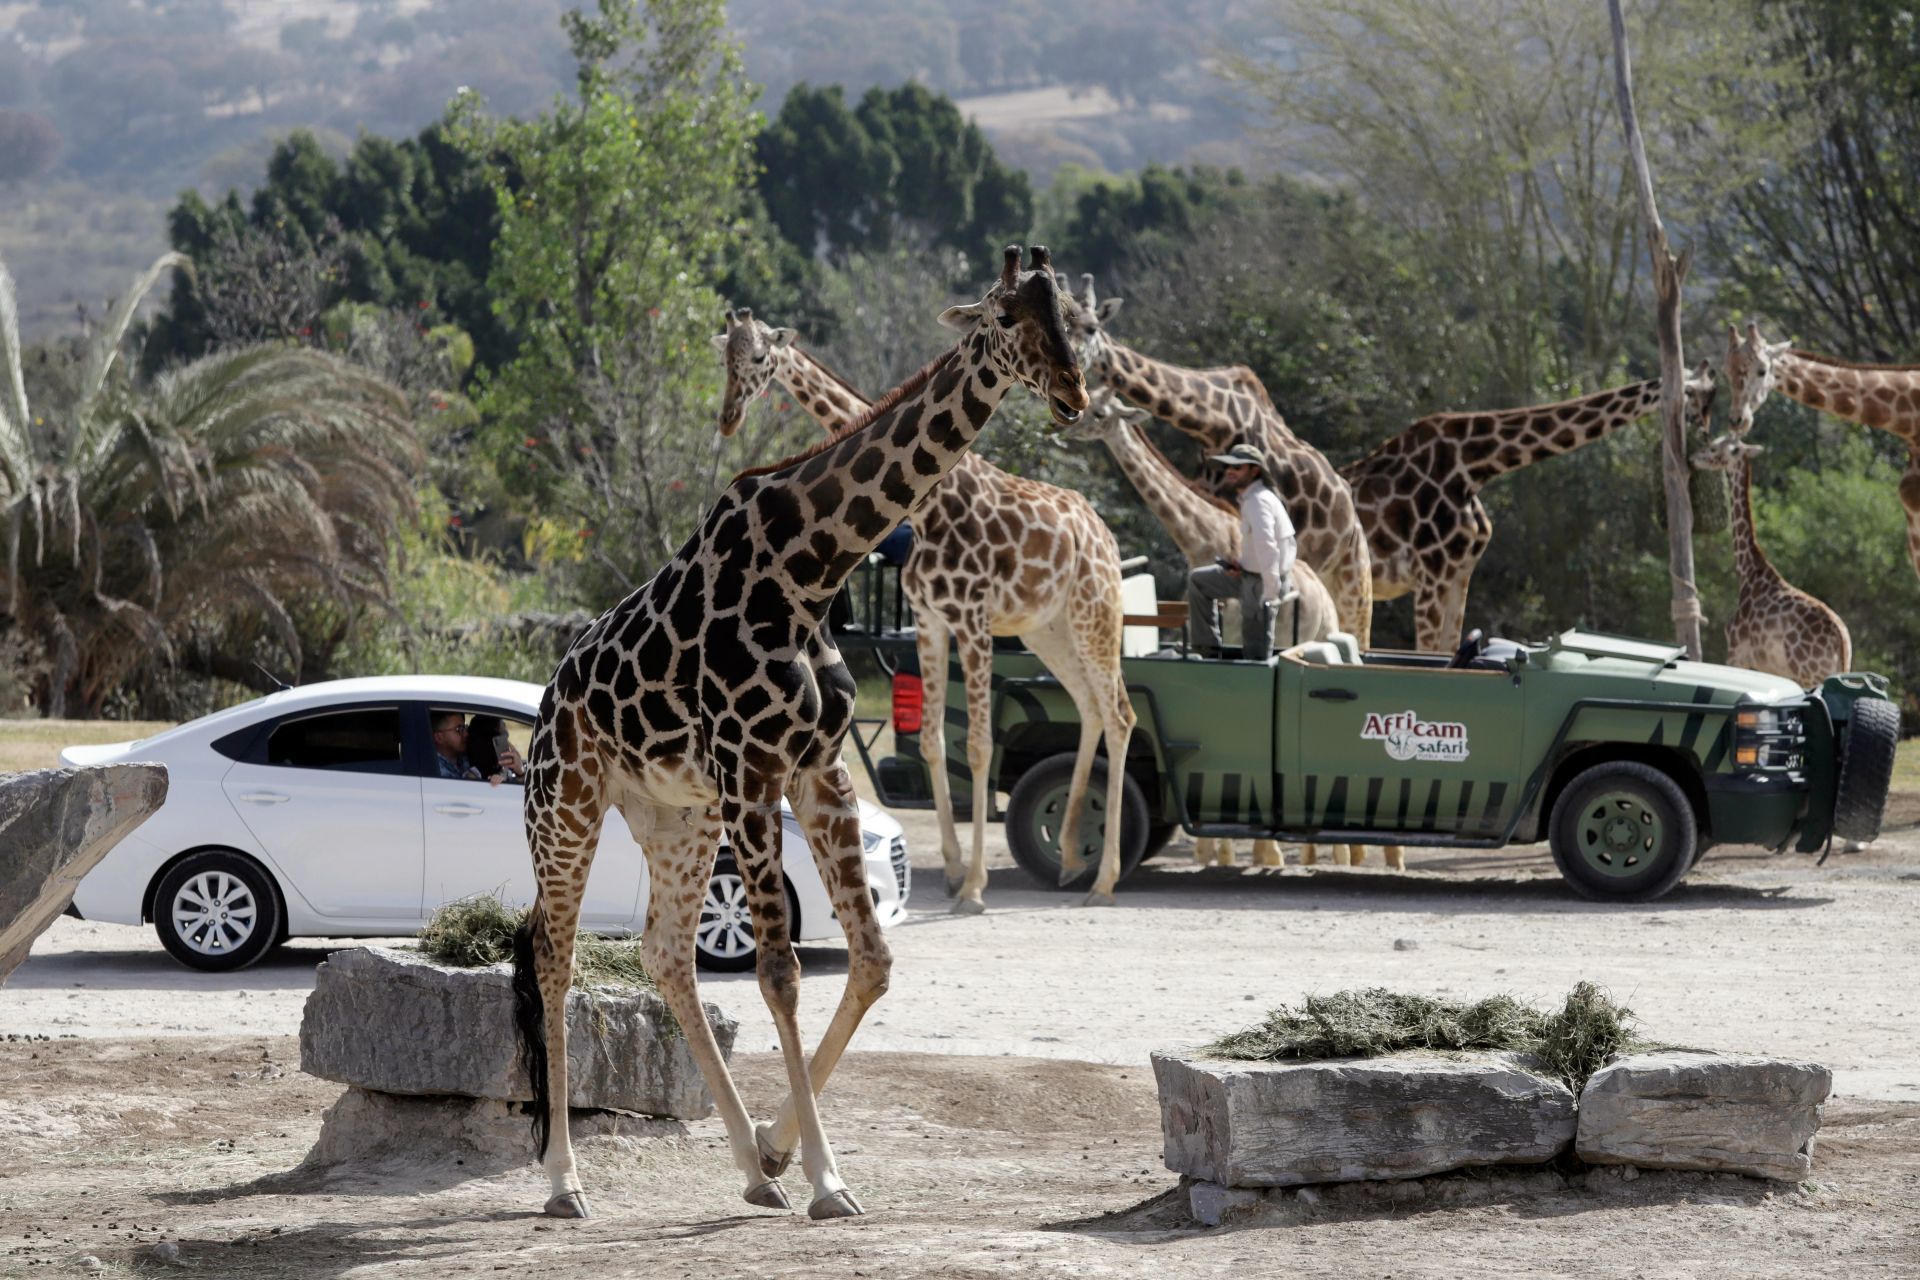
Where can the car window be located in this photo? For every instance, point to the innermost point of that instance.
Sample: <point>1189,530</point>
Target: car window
<point>476,744</point>
<point>365,740</point>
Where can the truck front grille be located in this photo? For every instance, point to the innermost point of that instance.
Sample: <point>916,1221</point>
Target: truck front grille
<point>902,873</point>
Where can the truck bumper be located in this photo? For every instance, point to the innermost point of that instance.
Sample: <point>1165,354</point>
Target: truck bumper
<point>1745,808</point>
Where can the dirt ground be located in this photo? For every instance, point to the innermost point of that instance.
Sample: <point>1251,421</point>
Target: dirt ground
<point>997,1115</point>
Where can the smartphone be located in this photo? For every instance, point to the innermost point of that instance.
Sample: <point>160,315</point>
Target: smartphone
<point>501,745</point>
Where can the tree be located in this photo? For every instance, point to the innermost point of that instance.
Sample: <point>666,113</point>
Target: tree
<point>902,167</point>
<point>617,207</point>
<point>1828,240</point>
<point>1486,133</point>
<point>28,144</point>
<point>193,518</point>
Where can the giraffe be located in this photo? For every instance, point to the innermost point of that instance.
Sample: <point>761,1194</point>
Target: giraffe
<point>1203,528</point>
<point>1776,628</point>
<point>1221,407</point>
<point>695,703</point>
<point>1885,397</point>
<point>1418,493</point>
<point>993,554</point>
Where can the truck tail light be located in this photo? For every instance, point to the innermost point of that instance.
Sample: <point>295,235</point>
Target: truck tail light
<point>907,703</point>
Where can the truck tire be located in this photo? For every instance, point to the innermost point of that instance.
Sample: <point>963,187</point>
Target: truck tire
<point>1866,767</point>
<point>1037,804</point>
<point>1623,832</point>
<point>1159,836</point>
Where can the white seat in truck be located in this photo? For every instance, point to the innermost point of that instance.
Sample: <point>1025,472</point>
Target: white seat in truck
<point>1348,646</point>
<point>1321,652</point>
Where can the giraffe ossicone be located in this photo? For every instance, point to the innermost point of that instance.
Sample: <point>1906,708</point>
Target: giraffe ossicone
<point>699,701</point>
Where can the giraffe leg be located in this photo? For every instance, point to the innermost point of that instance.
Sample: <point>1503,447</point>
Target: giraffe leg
<point>564,807</point>
<point>829,813</point>
<point>1266,853</point>
<point>975,642</point>
<point>1203,850</point>
<point>1085,658</point>
<point>1118,727</point>
<point>680,847</point>
<point>1309,855</point>
<point>930,643</point>
<point>753,821</point>
<point>1072,863</point>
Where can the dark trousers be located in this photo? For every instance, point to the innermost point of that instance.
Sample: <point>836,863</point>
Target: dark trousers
<point>1210,584</point>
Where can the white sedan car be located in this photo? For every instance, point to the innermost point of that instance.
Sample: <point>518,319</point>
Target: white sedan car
<point>321,812</point>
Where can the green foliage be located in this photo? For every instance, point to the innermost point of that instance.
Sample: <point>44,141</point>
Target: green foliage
<point>416,220</point>
<point>1105,222</point>
<point>1573,1042</point>
<point>903,165</point>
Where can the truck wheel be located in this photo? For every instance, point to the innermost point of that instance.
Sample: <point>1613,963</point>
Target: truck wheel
<point>1866,767</point>
<point>1038,804</point>
<point>1159,836</point>
<point>1623,832</point>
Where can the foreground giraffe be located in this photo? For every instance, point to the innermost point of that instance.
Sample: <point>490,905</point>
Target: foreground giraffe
<point>1885,397</point>
<point>698,701</point>
<point>1418,493</point>
<point>993,555</point>
<point>1776,628</point>
<point>1221,407</point>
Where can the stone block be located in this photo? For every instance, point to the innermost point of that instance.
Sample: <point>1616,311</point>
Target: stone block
<point>55,826</point>
<point>1280,1124</point>
<point>396,1022</point>
<point>1725,1113</point>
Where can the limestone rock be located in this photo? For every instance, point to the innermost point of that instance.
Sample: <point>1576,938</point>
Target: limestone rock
<point>1279,1124</point>
<point>1727,1113</point>
<point>55,826</point>
<point>459,1137</point>
<point>396,1022</point>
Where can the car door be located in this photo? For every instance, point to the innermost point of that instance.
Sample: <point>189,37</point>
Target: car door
<point>476,837</point>
<point>329,797</point>
<point>1403,745</point>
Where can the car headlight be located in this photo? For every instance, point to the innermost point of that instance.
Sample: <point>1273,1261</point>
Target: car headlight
<point>871,840</point>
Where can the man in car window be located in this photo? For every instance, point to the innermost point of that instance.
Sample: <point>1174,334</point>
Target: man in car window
<point>450,750</point>
<point>1265,568</point>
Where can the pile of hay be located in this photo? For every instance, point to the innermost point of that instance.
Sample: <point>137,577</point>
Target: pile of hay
<point>478,931</point>
<point>1572,1042</point>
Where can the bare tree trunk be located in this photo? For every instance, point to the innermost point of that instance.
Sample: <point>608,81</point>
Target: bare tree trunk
<point>1668,274</point>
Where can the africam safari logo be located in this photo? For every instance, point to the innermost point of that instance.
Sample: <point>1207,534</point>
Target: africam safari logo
<point>1408,737</point>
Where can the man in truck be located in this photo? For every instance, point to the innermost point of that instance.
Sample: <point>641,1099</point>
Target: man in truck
<point>1261,575</point>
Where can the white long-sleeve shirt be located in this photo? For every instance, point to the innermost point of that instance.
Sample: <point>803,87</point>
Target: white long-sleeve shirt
<point>1267,542</point>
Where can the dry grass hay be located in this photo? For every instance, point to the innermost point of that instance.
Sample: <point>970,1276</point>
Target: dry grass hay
<point>478,931</point>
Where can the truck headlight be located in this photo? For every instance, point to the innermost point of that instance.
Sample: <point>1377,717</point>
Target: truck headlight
<point>1770,738</point>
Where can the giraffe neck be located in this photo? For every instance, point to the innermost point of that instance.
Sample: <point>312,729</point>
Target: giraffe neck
<point>1492,444</point>
<point>1201,529</point>
<point>1886,397</point>
<point>820,513</point>
<point>1198,401</point>
<point>1749,561</point>
<point>831,403</point>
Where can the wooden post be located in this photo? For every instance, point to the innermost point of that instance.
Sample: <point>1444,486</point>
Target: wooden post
<point>1668,274</point>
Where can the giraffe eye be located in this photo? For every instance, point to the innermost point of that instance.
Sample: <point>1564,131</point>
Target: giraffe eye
<point>1007,322</point>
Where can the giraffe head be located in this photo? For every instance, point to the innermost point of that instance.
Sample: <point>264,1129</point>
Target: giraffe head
<point>1020,328</point>
<point>1751,374</point>
<point>1087,317</point>
<point>1106,414</point>
<point>1725,453</point>
<point>750,350</point>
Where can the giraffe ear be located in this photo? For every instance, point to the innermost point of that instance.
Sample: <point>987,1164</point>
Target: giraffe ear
<point>782,337</point>
<point>963,318</point>
<point>1752,450</point>
<point>719,341</point>
<point>1108,306</point>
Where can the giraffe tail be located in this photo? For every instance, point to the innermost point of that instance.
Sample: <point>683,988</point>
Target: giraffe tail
<point>530,1018</point>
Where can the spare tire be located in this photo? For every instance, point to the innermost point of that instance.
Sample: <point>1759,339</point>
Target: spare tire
<point>1866,767</point>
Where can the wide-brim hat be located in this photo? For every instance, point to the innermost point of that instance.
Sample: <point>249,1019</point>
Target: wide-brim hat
<point>1241,455</point>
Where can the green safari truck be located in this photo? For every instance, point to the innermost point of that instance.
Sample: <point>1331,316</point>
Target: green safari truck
<point>1629,760</point>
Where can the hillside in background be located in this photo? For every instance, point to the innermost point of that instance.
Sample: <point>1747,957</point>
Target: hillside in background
<point>110,108</point>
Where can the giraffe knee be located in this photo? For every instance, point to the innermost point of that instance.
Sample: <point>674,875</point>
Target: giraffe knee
<point>779,973</point>
<point>871,969</point>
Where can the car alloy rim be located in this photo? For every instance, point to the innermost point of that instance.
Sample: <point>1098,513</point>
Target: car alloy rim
<point>1052,818</point>
<point>214,913</point>
<point>726,923</point>
<point>1619,834</point>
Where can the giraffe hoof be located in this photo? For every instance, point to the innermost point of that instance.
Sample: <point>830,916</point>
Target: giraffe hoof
<point>1097,899</point>
<point>772,1163</point>
<point>768,1195</point>
<point>954,884</point>
<point>1071,871</point>
<point>968,907</point>
<point>835,1204</point>
<point>572,1204</point>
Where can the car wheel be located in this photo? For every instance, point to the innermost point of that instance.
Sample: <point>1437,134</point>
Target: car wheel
<point>1866,767</point>
<point>1623,832</point>
<point>723,941</point>
<point>1159,836</point>
<point>1037,807</point>
<point>217,911</point>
